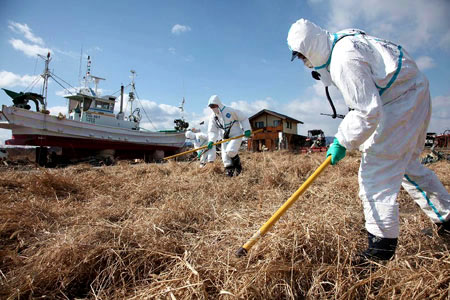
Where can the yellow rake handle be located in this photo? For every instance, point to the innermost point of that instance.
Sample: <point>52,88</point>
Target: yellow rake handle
<point>206,146</point>
<point>276,216</point>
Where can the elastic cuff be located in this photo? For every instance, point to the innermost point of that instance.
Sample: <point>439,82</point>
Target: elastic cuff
<point>342,141</point>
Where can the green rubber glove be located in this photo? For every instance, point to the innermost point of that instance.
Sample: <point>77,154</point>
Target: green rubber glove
<point>248,133</point>
<point>199,154</point>
<point>337,152</point>
<point>210,145</point>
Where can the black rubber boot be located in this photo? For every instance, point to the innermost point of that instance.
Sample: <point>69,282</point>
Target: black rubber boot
<point>444,229</point>
<point>379,249</point>
<point>237,164</point>
<point>229,171</point>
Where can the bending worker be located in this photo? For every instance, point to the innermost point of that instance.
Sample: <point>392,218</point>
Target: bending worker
<point>229,123</point>
<point>390,107</point>
<point>200,139</point>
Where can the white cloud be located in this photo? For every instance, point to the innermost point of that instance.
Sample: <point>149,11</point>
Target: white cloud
<point>70,54</point>
<point>308,111</point>
<point>430,26</point>
<point>172,50</point>
<point>161,115</point>
<point>425,62</point>
<point>55,110</point>
<point>189,58</point>
<point>37,43</point>
<point>98,49</point>
<point>28,49</point>
<point>179,29</point>
<point>62,93</point>
<point>440,114</point>
<point>8,79</point>
<point>251,108</point>
<point>74,90</point>
<point>26,31</point>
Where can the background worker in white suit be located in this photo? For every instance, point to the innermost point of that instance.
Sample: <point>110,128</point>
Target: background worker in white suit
<point>201,139</point>
<point>391,109</point>
<point>227,122</point>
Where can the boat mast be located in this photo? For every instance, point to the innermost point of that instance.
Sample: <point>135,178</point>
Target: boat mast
<point>133,92</point>
<point>87,78</point>
<point>181,107</point>
<point>45,76</point>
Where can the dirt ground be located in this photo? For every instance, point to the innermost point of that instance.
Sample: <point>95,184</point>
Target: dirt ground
<point>170,231</point>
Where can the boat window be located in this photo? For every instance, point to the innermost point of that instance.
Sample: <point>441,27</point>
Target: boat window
<point>101,105</point>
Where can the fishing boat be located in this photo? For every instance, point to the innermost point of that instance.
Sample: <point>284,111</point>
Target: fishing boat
<point>90,126</point>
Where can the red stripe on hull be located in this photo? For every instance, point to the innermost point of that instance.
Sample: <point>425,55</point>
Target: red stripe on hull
<point>74,143</point>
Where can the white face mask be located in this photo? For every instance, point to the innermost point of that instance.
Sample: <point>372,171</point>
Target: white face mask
<point>307,63</point>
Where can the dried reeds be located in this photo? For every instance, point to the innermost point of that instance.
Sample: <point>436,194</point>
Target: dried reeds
<point>169,231</point>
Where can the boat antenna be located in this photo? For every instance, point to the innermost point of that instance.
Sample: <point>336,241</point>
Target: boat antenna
<point>133,90</point>
<point>45,75</point>
<point>79,71</point>
<point>96,81</point>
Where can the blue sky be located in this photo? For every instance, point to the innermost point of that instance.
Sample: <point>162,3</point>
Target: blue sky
<point>194,49</point>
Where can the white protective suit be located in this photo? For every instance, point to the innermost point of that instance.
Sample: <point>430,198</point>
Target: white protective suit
<point>227,119</point>
<point>391,111</point>
<point>201,139</point>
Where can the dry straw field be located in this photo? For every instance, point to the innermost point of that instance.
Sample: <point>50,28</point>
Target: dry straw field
<point>169,231</point>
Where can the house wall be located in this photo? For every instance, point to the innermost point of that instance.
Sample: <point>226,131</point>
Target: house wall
<point>292,130</point>
<point>271,141</point>
<point>268,122</point>
<point>266,118</point>
<point>270,137</point>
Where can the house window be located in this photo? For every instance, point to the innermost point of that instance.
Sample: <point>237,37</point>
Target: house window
<point>289,125</point>
<point>259,124</point>
<point>276,123</point>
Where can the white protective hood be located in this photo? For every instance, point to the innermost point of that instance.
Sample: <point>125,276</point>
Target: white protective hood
<point>214,99</point>
<point>314,43</point>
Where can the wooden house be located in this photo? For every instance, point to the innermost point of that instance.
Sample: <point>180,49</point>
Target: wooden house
<point>280,132</point>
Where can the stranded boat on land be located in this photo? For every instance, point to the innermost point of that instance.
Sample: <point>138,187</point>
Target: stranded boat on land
<point>90,128</point>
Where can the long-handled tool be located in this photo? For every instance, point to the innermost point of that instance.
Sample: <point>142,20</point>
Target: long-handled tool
<point>261,231</point>
<point>206,146</point>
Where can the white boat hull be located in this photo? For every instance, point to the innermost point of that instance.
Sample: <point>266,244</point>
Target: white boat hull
<point>39,129</point>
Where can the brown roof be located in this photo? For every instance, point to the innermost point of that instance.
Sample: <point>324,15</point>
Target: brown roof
<point>270,112</point>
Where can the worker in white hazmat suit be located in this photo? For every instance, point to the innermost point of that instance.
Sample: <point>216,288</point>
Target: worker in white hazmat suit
<point>390,109</point>
<point>201,139</point>
<point>227,122</point>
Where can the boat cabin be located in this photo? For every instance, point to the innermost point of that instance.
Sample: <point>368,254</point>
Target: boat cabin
<point>96,110</point>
